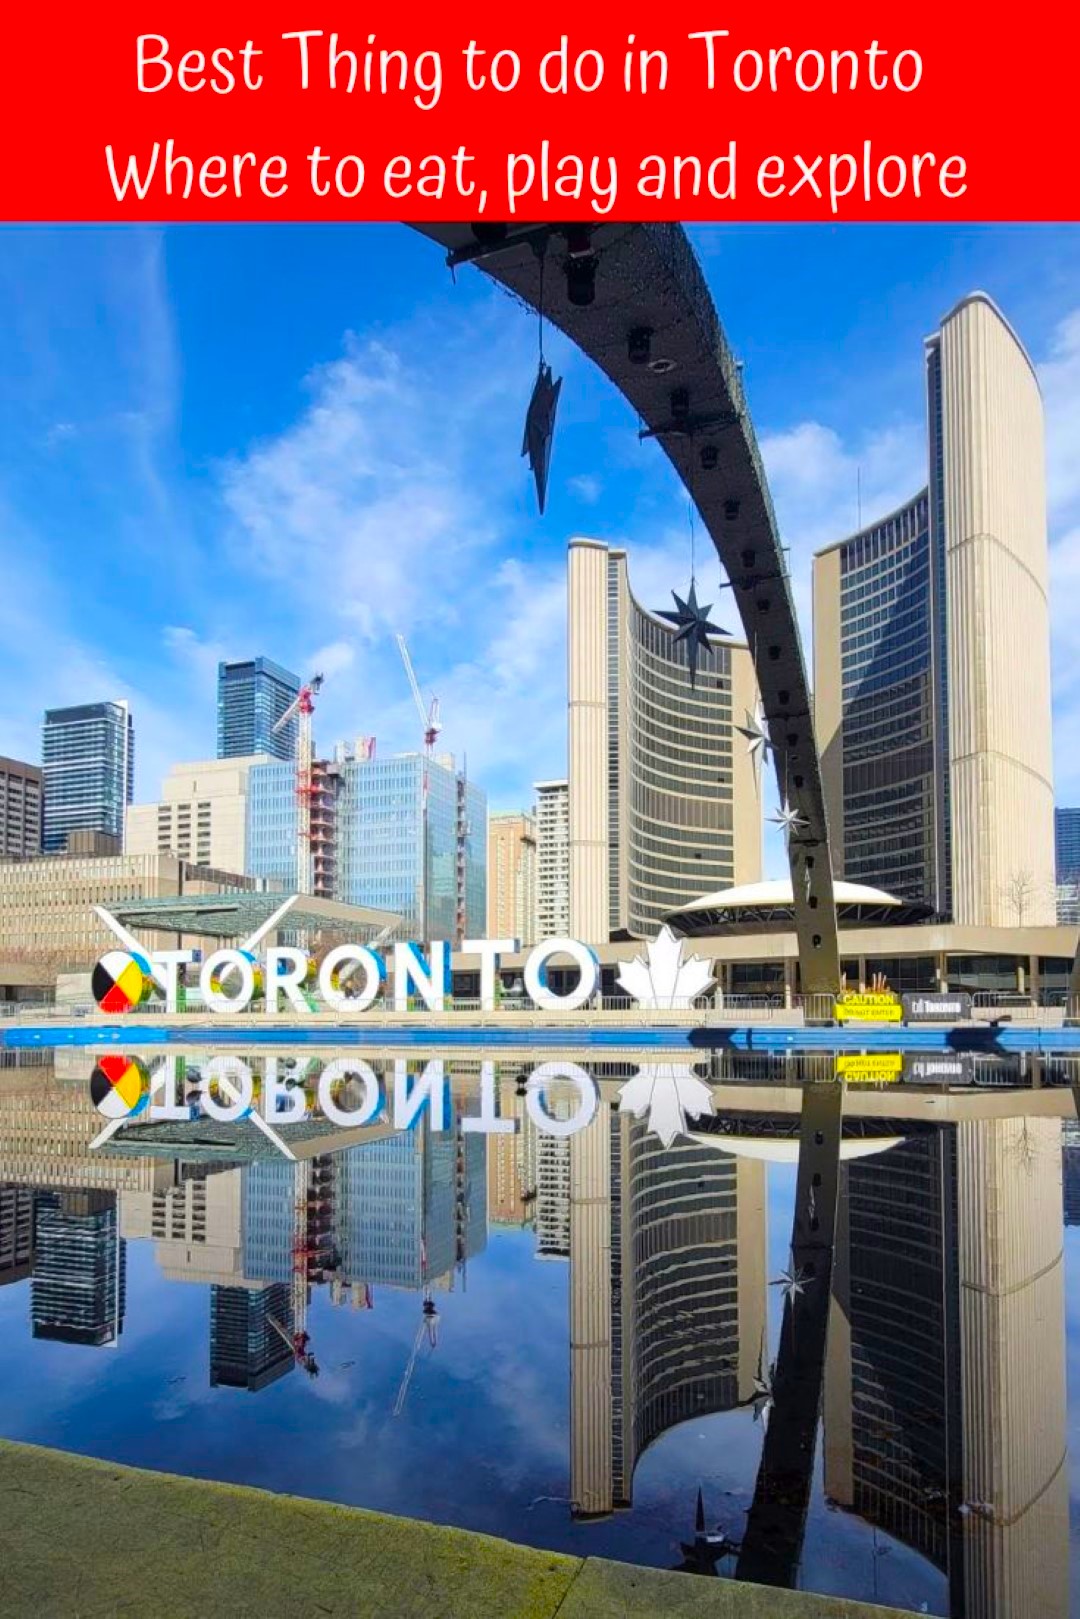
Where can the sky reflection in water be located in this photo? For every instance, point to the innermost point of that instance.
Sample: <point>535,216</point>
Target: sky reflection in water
<point>166,1307</point>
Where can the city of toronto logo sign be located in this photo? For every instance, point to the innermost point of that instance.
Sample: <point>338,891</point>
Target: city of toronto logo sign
<point>351,978</point>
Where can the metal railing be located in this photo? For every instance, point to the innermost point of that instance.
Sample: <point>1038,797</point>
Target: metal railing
<point>13,1009</point>
<point>995,1005</point>
<point>988,1006</point>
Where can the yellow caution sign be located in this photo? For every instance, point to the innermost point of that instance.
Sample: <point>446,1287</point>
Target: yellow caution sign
<point>871,1067</point>
<point>870,1007</point>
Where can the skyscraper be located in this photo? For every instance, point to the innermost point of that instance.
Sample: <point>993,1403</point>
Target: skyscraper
<point>932,652</point>
<point>412,1207</point>
<point>664,803</point>
<point>1066,844</point>
<point>16,1232</point>
<point>1067,864</point>
<point>249,1336</point>
<point>79,1287</point>
<point>252,696</point>
<point>88,765</point>
<point>511,878</point>
<point>884,760</point>
<point>378,838</point>
<point>945,1391</point>
<point>552,859</point>
<point>20,808</point>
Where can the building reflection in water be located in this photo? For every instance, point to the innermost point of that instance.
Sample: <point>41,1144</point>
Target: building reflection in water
<point>667,1295</point>
<point>945,1383</point>
<point>940,1380</point>
<point>249,1336</point>
<point>78,1290</point>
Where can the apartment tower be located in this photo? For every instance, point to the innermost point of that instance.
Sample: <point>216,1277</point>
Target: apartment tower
<point>511,877</point>
<point>88,765</point>
<point>252,696</point>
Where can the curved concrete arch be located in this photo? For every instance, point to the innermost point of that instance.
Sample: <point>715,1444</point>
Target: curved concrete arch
<point>685,385</point>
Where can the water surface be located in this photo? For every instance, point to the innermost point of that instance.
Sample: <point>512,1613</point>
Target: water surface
<point>823,1336</point>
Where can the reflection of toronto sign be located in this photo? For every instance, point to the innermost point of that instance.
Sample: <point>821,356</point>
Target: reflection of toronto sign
<point>351,978</point>
<point>349,1094</point>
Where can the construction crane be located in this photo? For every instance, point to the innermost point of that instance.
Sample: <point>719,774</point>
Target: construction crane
<point>299,1339</point>
<point>429,717</point>
<point>303,707</point>
<point>430,726</point>
<point>428,1329</point>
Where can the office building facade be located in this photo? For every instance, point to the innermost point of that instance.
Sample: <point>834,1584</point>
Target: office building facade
<point>252,695</point>
<point>201,815</point>
<point>379,839</point>
<point>552,859</point>
<point>87,771</point>
<point>664,802</point>
<point>1066,844</point>
<point>79,1288</point>
<point>511,878</point>
<point>412,1207</point>
<point>16,1232</point>
<point>932,653</point>
<point>20,808</point>
<point>945,1386</point>
<point>249,1336</point>
<point>46,905</point>
<point>880,682</point>
<point>1067,866</point>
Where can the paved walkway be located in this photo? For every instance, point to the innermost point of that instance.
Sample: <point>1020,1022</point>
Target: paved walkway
<point>86,1538</point>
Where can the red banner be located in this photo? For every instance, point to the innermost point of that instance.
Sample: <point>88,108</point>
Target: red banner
<point>177,111</point>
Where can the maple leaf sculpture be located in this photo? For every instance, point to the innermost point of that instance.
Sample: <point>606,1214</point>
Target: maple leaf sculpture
<point>670,1093</point>
<point>664,979</point>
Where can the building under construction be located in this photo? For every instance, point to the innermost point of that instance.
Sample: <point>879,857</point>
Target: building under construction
<point>367,819</point>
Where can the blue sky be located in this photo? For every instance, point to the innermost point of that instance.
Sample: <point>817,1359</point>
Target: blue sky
<point>298,440</point>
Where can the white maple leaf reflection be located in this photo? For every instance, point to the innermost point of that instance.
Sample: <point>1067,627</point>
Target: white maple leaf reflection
<point>670,1093</point>
<point>662,978</point>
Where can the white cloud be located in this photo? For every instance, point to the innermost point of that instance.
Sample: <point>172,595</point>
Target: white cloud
<point>586,488</point>
<point>332,659</point>
<point>389,506</point>
<point>1060,378</point>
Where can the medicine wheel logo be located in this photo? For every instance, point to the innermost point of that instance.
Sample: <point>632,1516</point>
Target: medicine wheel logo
<point>121,980</point>
<point>118,1087</point>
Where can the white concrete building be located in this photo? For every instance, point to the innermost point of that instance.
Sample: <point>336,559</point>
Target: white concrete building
<point>664,804</point>
<point>201,816</point>
<point>932,653</point>
<point>552,859</point>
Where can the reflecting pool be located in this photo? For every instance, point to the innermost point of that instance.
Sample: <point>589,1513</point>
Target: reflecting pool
<point>800,1320</point>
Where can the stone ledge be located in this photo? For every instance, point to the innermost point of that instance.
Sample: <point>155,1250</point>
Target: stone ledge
<point>91,1538</point>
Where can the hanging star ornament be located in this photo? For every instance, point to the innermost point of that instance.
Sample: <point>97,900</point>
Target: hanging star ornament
<point>694,626</point>
<point>789,819</point>
<point>756,732</point>
<point>540,429</point>
<point>762,1400</point>
<point>793,1282</point>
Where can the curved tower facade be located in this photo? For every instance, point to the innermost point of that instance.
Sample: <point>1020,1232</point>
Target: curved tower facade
<point>932,701</point>
<point>664,805</point>
<point>877,654</point>
<point>667,1296</point>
